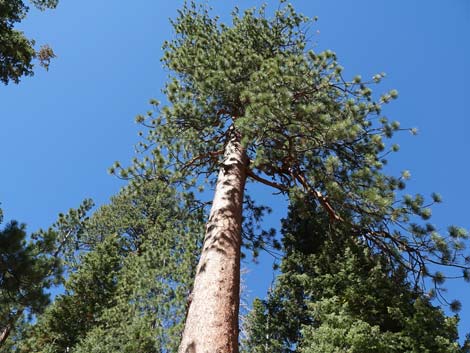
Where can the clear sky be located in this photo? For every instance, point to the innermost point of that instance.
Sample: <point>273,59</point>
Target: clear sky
<point>60,130</point>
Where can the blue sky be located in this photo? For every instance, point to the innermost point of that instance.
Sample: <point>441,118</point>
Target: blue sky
<point>60,130</point>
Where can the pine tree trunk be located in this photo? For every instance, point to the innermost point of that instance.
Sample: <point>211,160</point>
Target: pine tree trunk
<point>9,326</point>
<point>212,320</point>
<point>5,333</point>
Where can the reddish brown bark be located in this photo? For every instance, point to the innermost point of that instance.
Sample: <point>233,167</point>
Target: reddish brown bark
<point>212,320</point>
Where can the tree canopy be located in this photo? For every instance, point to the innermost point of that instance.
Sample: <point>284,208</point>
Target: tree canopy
<point>305,128</point>
<point>17,52</point>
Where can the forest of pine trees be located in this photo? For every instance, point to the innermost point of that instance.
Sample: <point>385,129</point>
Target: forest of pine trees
<point>157,268</point>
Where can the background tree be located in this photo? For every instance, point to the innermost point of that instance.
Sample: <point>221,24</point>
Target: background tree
<point>89,291</point>
<point>130,279</point>
<point>16,51</point>
<point>251,101</point>
<point>27,270</point>
<point>335,295</point>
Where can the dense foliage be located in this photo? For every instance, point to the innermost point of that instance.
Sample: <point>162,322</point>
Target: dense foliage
<point>334,295</point>
<point>128,284</point>
<point>27,270</point>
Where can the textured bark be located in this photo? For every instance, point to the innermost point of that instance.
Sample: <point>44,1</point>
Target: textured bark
<point>212,320</point>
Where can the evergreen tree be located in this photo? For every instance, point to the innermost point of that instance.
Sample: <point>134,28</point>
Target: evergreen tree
<point>88,292</point>
<point>16,51</point>
<point>336,296</point>
<point>251,101</point>
<point>130,280</point>
<point>27,270</point>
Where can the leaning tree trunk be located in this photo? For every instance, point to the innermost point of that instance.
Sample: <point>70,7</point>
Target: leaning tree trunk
<point>212,320</point>
<point>5,333</point>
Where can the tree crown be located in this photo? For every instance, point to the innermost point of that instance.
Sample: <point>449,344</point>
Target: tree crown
<point>306,129</point>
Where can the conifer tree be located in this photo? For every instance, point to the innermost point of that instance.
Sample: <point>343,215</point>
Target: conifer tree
<point>129,281</point>
<point>89,291</point>
<point>251,100</point>
<point>16,51</point>
<point>27,270</point>
<point>335,295</point>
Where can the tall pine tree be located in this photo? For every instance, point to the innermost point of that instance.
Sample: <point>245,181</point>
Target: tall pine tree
<point>250,100</point>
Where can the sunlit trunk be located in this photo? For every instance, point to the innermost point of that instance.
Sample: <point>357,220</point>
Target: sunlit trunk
<point>9,327</point>
<point>212,320</point>
<point>5,333</point>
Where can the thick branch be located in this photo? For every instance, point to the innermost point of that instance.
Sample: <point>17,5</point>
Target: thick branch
<point>319,196</point>
<point>211,155</point>
<point>275,185</point>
